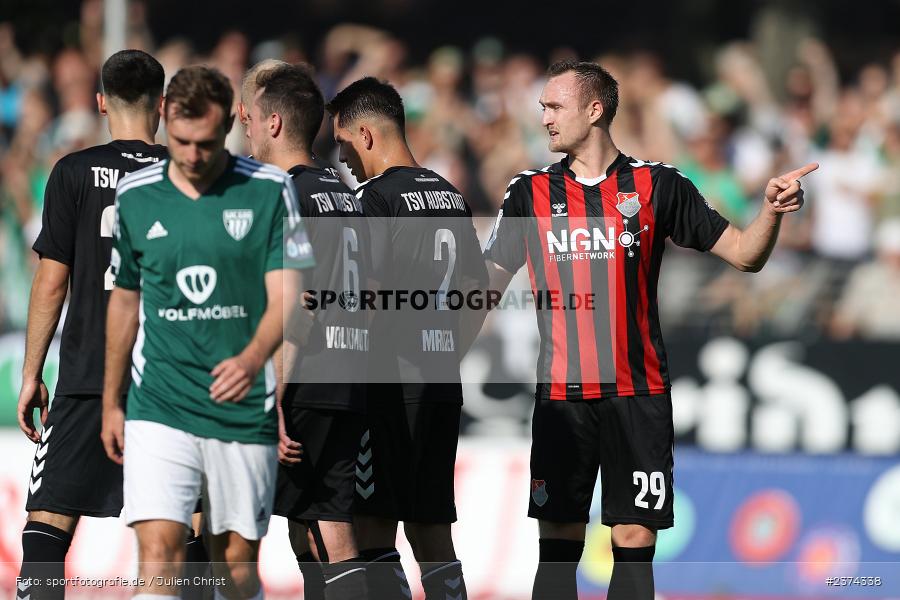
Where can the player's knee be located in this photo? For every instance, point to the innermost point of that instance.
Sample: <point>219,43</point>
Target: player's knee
<point>561,531</point>
<point>633,536</point>
<point>161,554</point>
<point>430,543</point>
<point>243,576</point>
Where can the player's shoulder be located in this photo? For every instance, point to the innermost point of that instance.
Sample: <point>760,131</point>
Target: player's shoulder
<point>660,171</point>
<point>314,178</point>
<point>141,179</point>
<point>259,172</point>
<point>522,179</point>
<point>86,157</point>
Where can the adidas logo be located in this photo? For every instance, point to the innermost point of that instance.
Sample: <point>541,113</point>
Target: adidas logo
<point>157,231</point>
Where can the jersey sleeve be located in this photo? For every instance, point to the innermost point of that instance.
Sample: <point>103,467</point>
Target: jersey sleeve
<point>59,221</point>
<point>125,269</point>
<point>289,245</point>
<point>378,223</point>
<point>506,246</point>
<point>692,222</point>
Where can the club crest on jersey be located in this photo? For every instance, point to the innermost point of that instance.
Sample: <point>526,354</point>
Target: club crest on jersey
<point>559,209</point>
<point>629,203</point>
<point>196,283</point>
<point>539,491</point>
<point>238,222</point>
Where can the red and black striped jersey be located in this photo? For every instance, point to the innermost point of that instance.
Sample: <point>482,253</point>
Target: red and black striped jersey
<point>594,250</point>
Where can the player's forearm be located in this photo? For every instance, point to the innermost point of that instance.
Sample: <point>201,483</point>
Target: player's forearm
<point>48,294</point>
<point>757,241</point>
<point>268,336</point>
<point>121,331</point>
<point>473,320</point>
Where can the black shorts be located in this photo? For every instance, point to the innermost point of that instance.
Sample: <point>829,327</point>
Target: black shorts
<point>320,488</point>
<point>71,474</point>
<point>406,461</point>
<point>629,439</point>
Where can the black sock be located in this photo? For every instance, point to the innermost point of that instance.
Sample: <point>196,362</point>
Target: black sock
<point>555,578</point>
<point>632,576</point>
<point>196,564</point>
<point>385,575</point>
<point>44,550</point>
<point>313,577</point>
<point>346,580</point>
<point>444,581</point>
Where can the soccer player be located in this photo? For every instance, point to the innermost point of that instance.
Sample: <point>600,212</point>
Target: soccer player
<point>322,405</point>
<point>420,229</point>
<point>71,476</point>
<point>594,226</point>
<point>205,250</point>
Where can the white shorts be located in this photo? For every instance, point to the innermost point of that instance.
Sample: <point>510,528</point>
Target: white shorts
<point>166,469</point>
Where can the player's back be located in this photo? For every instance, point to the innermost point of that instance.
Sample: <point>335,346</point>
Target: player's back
<point>330,369</point>
<point>424,252</point>
<point>77,231</point>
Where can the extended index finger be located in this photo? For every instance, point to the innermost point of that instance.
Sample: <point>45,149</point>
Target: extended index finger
<point>798,173</point>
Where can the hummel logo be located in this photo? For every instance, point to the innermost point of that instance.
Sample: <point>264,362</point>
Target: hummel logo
<point>559,207</point>
<point>157,231</point>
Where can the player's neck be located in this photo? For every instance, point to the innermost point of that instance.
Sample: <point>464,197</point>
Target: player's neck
<point>290,159</point>
<point>593,159</point>
<point>400,156</point>
<point>195,189</point>
<point>132,128</point>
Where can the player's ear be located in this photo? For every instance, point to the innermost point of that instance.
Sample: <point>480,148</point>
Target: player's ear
<point>101,103</point>
<point>596,112</point>
<point>275,124</point>
<point>367,138</point>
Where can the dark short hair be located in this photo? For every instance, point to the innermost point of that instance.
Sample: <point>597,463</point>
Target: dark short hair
<point>368,97</point>
<point>594,82</point>
<point>133,76</point>
<point>193,89</point>
<point>291,92</point>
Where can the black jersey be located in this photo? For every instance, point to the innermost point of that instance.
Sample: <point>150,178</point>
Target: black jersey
<point>330,371</point>
<point>77,228</point>
<point>423,244</point>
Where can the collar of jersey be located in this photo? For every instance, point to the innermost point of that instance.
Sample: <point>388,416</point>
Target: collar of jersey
<point>620,160</point>
<point>232,159</point>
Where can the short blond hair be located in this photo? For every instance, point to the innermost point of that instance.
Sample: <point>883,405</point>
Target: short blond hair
<point>248,83</point>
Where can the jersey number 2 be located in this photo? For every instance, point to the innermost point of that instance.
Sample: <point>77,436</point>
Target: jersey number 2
<point>444,237</point>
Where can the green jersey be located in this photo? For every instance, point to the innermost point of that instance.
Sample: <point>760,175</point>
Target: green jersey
<point>200,266</point>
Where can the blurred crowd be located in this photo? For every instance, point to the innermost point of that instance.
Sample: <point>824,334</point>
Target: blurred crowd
<point>473,116</point>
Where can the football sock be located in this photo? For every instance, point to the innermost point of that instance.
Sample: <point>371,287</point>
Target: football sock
<point>345,580</point>
<point>555,578</point>
<point>444,581</point>
<point>384,574</point>
<point>196,564</point>
<point>313,577</point>
<point>632,576</point>
<point>44,550</point>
